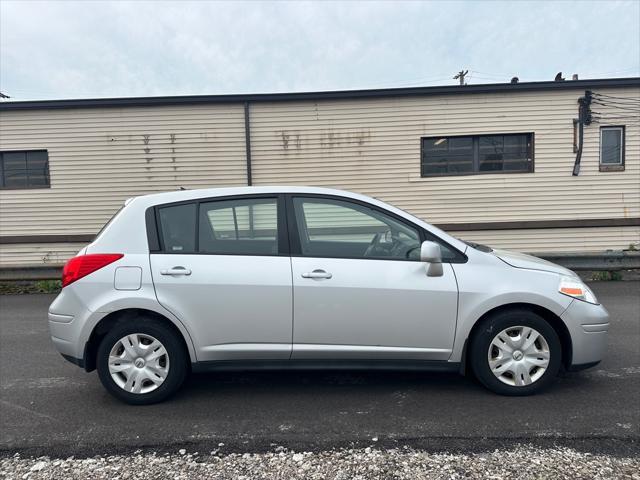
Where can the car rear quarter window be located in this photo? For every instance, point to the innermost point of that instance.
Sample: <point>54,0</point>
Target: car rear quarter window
<point>178,228</point>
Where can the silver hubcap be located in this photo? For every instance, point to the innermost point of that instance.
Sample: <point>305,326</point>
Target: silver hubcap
<point>519,356</point>
<point>138,363</point>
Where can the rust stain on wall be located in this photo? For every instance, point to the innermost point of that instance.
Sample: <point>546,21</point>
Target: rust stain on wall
<point>172,139</point>
<point>146,139</point>
<point>285,140</point>
<point>332,139</point>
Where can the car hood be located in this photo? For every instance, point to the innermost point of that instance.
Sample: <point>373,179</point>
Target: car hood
<point>522,260</point>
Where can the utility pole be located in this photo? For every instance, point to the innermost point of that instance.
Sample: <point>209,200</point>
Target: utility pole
<point>460,75</point>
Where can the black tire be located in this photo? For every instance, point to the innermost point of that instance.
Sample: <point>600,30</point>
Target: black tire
<point>178,368</point>
<point>492,326</point>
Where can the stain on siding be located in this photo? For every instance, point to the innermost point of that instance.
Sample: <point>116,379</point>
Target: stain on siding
<point>336,139</point>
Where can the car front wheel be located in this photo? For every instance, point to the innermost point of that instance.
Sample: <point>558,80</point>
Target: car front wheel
<point>515,352</point>
<point>141,362</point>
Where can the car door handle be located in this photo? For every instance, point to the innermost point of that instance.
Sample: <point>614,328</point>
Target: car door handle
<point>176,271</point>
<point>317,274</point>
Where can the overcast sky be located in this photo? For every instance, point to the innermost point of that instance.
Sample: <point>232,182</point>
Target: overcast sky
<point>55,49</point>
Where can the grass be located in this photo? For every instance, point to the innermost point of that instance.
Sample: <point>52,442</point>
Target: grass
<point>48,286</point>
<point>606,276</point>
<point>29,286</point>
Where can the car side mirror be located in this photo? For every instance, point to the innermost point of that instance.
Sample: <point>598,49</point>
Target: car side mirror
<point>431,254</point>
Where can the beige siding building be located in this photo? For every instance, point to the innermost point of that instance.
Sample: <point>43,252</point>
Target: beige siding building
<point>490,163</point>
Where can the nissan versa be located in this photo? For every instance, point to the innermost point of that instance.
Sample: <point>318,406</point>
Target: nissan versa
<point>297,277</point>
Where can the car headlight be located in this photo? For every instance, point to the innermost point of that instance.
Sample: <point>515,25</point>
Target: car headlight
<point>574,287</point>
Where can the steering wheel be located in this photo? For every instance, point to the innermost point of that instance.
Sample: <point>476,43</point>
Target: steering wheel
<point>375,243</point>
<point>410,251</point>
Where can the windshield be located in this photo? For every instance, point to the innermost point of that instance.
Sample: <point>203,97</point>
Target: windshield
<point>478,246</point>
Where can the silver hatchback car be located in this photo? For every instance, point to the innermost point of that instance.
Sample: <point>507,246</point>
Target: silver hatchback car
<point>297,277</point>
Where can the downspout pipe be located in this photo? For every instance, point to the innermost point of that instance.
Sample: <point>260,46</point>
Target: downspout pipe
<point>576,165</point>
<point>584,118</point>
<point>247,141</point>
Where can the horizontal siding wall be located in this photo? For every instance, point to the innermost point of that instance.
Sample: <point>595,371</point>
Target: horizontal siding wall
<point>100,157</point>
<point>373,147</point>
<point>552,240</point>
<point>40,254</point>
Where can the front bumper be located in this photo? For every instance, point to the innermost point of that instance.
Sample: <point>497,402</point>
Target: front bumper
<point>588,326</point>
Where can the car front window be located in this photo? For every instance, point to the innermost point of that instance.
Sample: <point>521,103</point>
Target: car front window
<point>340,229</point>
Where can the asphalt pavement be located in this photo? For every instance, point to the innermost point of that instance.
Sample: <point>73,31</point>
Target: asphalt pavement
<point>51,407</point>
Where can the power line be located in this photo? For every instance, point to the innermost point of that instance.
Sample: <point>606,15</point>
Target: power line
<point>616,102</point>
<point>626,70</point>
<point>615,119</point>
<point>612,109</point>
<point>613,98</point>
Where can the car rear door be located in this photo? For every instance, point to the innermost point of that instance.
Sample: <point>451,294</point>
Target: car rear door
<point>222,267</point>
<point>360,291</point>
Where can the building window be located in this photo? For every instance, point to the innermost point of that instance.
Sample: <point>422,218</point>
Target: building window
<point>611,149</point>
<point>24,169</point>
<point>477,154</point>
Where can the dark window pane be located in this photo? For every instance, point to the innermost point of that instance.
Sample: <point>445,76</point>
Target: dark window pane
<point>508,153</point>
<point>491,143</point>
<point>477,154</point>
<point>24,169</point>
<point>14,161</point>
<point>37,160</point>
<point>442,156</point>
<point>461,145</point>
<point>434,145</point>
<point>15,178</point>
<point>516,145</point>
<point>459,164</point>
<point>491,154</point>
<point>611,146</point>
<point>37,179</point>
<point>448,164</point>
<point>178,226</point>
<point>239,227</point>
<point>437,166</point>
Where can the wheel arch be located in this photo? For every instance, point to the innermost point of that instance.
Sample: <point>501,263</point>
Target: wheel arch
<point>118,316</point>
<point>554,320</point>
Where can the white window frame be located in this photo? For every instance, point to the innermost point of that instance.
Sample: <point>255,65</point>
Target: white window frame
<point>607,167</point>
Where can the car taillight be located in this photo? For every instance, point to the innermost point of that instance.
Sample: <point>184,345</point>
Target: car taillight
<point>83,265</point>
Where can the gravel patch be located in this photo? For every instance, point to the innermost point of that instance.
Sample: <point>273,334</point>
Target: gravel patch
<point>522,462</point>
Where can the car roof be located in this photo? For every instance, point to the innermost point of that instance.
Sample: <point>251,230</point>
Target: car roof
<point>185,195</point>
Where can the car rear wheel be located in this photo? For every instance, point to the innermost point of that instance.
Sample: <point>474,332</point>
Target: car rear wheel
<point>515,352</point>
<point>141,362</point>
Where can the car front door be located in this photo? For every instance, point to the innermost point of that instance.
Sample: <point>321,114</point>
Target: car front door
<point>224,270</point>
<point>360,290</point>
